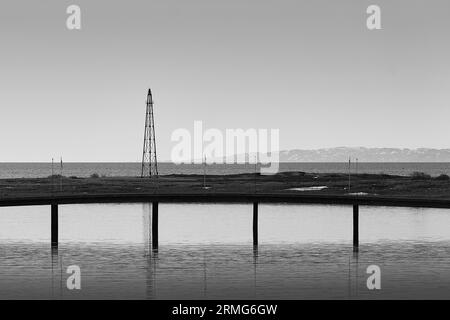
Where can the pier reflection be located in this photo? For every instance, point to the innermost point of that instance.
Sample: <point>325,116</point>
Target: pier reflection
<point>57,278</point>
<point>255,264</point>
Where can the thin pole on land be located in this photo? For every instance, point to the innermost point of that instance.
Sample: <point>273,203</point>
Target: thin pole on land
<point>256,169</point>
<point>52,175</point>
<point>204,172</point>
<point>60,176</point>
<point>349,175</point>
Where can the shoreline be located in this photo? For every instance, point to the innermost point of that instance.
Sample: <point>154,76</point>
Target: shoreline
<point>416,186</point>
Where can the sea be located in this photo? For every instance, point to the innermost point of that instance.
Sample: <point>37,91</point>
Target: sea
<point>206,252</point>
<point>131,169</point>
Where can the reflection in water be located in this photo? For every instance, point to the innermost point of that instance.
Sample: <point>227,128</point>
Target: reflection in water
<point>55,267</point>
<point>146,227</point>
<point>354,267</point>
<point>205,282</point>
<point>150,279</point>
<point>219,272</point>
<point>255,264</point>
<point>305,252</point>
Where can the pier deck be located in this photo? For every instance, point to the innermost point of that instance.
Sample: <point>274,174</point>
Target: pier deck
<point>255,199</point>
<point>228,198</point>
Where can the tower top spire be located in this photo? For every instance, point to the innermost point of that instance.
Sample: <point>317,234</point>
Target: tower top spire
<point>149,160</point>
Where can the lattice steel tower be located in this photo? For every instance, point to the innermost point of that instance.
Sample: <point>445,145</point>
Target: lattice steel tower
<point>149,160</point>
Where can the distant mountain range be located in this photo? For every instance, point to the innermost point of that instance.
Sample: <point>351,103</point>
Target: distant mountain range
<point>342,154</point>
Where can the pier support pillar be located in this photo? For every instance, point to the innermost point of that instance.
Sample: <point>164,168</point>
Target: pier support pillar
<point>54,225</point>
<point>155,225</point>
<point>255,223</point>
<point>355,226</point>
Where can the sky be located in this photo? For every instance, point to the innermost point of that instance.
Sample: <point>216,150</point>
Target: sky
<point>310,68</point>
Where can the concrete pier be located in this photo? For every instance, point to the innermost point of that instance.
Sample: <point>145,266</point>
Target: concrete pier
<point>54,225</point>
<point>155,225</point>
<point>355,226</point>
<point>255,223</point>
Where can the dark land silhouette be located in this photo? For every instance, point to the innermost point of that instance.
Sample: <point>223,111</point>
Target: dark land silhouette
<point>418,185</point>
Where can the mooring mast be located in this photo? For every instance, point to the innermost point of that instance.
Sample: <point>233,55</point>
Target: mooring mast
<point>149,161</point>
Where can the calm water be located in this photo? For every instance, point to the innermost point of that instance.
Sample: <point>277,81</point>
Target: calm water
<point>206,251</point>
<point>39,170</point>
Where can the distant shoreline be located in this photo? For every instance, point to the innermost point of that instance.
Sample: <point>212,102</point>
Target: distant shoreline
<point>132,169</point>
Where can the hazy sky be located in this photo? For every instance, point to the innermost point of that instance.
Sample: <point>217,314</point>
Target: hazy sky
<point>310,68</point>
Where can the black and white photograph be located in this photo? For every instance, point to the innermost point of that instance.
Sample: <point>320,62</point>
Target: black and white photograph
<point>255,151</point>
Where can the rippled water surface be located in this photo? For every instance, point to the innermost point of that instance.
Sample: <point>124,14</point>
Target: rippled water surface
<point>206,251</point>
